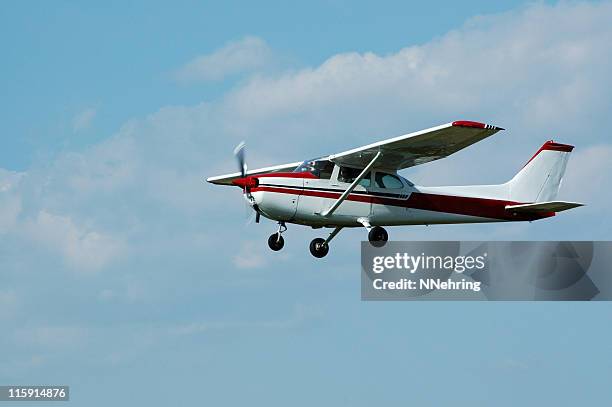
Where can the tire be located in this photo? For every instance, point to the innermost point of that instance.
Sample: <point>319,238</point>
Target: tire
<point>378,236</point>
<point>319,248</point>
<point>276,242</point>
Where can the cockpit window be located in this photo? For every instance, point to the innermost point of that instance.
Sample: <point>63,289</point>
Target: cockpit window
<point>320,168</point>
<point>388,181</point>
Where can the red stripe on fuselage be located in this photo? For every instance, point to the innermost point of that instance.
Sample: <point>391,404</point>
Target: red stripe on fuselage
<point>460,205</point>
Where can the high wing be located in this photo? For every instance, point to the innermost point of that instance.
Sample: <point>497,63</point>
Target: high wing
<point>396,153</point>
<point>419,147</point>
<point>227,179</point>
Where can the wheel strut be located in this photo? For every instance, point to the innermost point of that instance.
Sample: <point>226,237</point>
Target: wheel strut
<point>319,247</point>
<point>276,241</point>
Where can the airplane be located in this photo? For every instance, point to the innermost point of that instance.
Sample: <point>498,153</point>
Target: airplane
<point>361,187</point>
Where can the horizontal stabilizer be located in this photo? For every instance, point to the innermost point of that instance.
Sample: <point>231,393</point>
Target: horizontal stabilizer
<point>551,206</point>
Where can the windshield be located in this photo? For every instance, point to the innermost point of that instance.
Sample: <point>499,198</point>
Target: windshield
<point>319,167</point>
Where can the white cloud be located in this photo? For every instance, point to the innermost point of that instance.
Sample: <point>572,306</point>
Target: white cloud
<point>82,248</point>
<point>536,63</point>
<point>82,120</point>
<point>9,179</point>
<point>236,57</point>
<point>589,176</point>
<point>542,72</point>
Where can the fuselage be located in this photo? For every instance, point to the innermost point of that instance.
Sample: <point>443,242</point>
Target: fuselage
<point>383,198</point>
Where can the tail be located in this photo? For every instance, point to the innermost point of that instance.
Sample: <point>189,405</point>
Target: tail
<point>539,180</point>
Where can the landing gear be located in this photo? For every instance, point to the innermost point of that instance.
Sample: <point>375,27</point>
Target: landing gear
<point>319,248</point>
<point>378,236</point>
<point>276,241</point>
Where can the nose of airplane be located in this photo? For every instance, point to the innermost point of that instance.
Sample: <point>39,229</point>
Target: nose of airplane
<point>246,182</point>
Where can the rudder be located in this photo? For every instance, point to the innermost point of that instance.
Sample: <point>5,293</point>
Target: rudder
<point>539,180</point>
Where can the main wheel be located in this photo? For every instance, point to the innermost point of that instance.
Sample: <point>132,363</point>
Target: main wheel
<point>319,248</point>
<point>378,236</point>
<point>276,242</point>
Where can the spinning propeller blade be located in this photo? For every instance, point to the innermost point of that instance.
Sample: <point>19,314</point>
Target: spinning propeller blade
<point>239,153</point>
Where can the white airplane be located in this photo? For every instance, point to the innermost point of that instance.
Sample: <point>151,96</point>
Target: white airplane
<point>361,187</point>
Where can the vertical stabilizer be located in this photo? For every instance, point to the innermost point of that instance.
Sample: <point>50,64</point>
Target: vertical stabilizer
<point>540,178</point>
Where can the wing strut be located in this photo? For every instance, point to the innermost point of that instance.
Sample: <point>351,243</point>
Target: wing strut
<point>351,187</point>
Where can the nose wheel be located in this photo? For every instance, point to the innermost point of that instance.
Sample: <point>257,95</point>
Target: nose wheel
<point>276,241</point>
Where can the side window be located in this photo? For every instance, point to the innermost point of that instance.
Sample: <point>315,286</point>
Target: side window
<point>388,181</point>
<point>348,175</point>
<point>366,181</point>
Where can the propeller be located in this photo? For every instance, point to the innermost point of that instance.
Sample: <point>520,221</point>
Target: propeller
<point>239,153</point>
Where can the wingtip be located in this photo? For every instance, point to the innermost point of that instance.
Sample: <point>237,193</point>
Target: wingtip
<point>476,125</point>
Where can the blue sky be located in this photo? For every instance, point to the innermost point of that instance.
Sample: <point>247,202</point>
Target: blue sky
<point>121,268</point>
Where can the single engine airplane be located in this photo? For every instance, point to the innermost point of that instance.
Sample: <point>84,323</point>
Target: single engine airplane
<point>361,187</point>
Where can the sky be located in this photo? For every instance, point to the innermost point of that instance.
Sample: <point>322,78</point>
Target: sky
<point>126,276</point>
